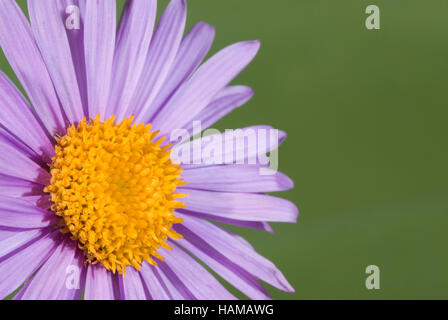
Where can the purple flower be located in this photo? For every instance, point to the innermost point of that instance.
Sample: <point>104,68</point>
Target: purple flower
<point>92,199</point>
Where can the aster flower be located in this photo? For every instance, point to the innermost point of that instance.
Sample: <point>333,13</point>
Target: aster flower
<point>92,202</point>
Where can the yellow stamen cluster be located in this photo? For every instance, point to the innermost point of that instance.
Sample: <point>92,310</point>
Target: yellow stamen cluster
<point>114,189</point>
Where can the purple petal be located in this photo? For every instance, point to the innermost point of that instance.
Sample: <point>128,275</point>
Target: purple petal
<point>236,178</point>
<point>241,146</point>
<point>11,240</point>
<point>100,284</point>
<point>196,278</point>
<point>16,269</point>
<point>192,51</point>
<point>7,137</point>
<point>161,54</point>
<point>171,283</point>
<point>6,233</point>
<point>132,285</point>
<point>240,206</point>
<point>133,40</point>
<point>17,116</point>
<point>16,188</point>
<point>237,251</point>
<point>17,213</point>
<point>227,100</point>
<point>76,40</point>
<point>48,23</point>
<point>23,54</point>
<point>25,190</point>
<point>257,225</point>
<point>156,287</point>
<point>14,163</point>
<point>53,280</point>
<point>207,81</point>
<point>42,202</point>
<point>99,46</point>
<point>228,270</point>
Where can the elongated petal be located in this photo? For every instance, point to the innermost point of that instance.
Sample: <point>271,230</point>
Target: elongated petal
<point>17,213</point>
<point>207,81</point>
<point>133,40</point>
<point>16,268</point>
<point>227,100</point>
<point>236,251</point>
<point>18,117</point>
<point>228,270</point>
<point>174,287</point>
<point>75,38</point>
<point>196,278</point>
<point>21,50</point>
<point>54,280</point>
<point>241,206</point>
<point>236,178</point>
<point>13,187</point>
<point>6,233</point>
<point>132,285</point>
<point>239,146</point>
<point>6,137</point>
<point>25,190</point>
<point>100,284</point>
<point>14,163</point>
<point>156,287</point>
<point>162,52</point>
<point>48,24</point>
<point>99,46</point>
<point>257,225</point>
<point>11,240</point>
<point>193,49</point>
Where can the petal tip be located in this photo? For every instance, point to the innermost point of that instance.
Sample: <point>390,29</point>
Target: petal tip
<point>255,45</point>
<point>205,25</point>
<point>282,136</point>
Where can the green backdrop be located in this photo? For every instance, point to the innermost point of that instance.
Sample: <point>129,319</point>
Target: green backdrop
<point>365,111</point>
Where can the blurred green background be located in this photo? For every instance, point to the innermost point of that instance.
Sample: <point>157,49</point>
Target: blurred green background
<point>365,111</point>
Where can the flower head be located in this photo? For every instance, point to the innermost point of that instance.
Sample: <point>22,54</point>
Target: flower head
<point>91,197</point>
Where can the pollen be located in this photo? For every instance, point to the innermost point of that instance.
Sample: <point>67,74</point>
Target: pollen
<point>114,187</point>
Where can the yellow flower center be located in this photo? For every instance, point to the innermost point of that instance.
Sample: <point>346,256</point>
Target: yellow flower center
<point>114,189</point>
